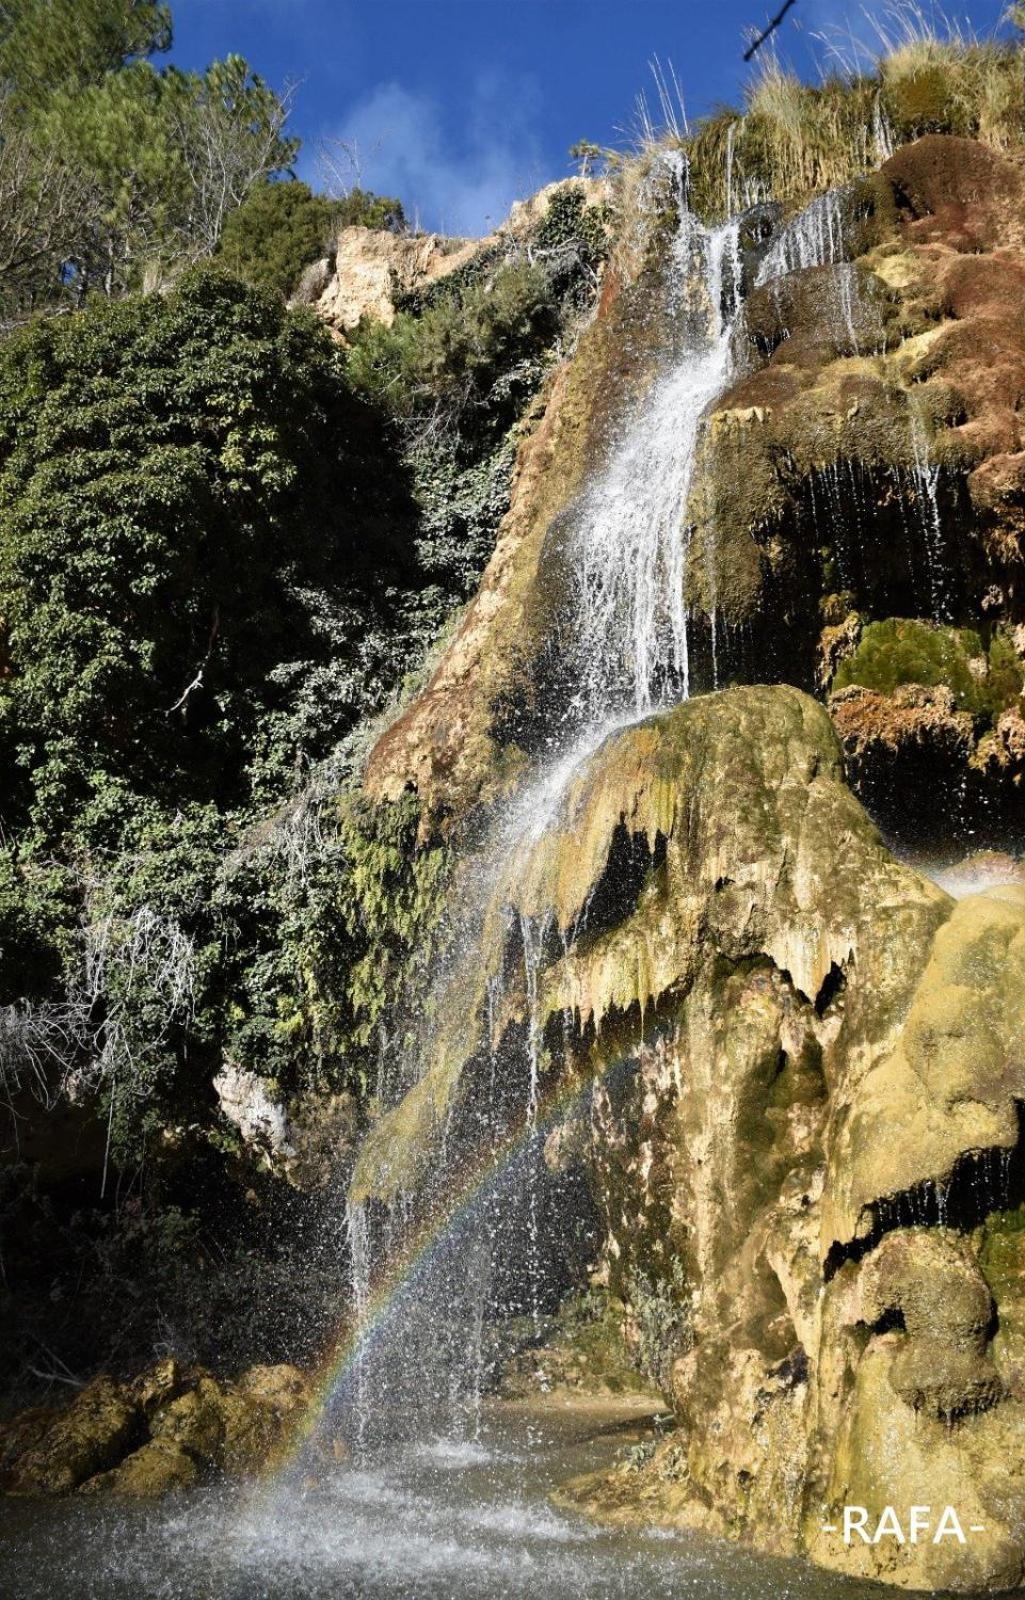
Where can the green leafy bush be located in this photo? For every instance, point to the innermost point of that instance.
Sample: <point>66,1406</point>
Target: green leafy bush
<point>983,679</point>
<point>281,227</point>
<point>178,520</point>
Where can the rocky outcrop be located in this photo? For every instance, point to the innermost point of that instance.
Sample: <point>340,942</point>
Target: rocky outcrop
<point>792,1065</point>
<point>795,1076</point>
<point>863,464</point>
<point>166,1430</point>
<point>931,724</point>
<point>302,1140</point>
<point>371,270</point>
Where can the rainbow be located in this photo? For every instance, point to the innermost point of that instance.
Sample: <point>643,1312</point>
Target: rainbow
<point>352,1343</point>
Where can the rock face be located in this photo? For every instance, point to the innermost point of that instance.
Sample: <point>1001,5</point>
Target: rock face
<point>372,269</point>
<point>797,1076</point>
<point>795,1065</point>
<point>862,465</point>
<point>166,1430</point>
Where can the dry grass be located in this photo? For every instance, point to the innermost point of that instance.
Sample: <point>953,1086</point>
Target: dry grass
<point>794,139</point>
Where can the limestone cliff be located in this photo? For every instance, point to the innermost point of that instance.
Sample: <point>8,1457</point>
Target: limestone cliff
<point>797,1076</point>
<point>370,270</point>
<point>863,464</point>
<point>793,1064</point>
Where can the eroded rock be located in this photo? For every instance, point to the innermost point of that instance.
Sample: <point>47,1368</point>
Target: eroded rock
<point>798,1087</point>
<point>164,1431</point>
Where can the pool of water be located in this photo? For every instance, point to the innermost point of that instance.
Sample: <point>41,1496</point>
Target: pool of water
<point>441,1520</point>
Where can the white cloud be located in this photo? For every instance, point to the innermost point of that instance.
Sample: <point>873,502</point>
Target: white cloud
<point>403,149</point>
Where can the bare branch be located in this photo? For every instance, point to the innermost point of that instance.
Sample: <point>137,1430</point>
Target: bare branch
<point>759,40</point>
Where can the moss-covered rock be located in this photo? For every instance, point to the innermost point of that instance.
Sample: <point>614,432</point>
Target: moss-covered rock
<point>97,1430</point>
<point>165,1430</point>
<point>930,719</point>
<point>796,1103</point>
<point>157,1468</point>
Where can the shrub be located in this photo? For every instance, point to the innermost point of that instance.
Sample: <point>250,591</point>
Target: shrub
<point>983,679</point>
<point>281,227</point>
<point>178,519</point>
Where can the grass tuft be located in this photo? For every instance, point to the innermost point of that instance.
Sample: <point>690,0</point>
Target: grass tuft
<point>924,74</point>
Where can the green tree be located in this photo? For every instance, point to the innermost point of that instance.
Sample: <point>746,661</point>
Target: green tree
<point>165,158</point>
<point>277,231</point>
<point>586,154</point>
<point>361,208</point>
<point>51,45</point>
<point>281,227</point>
<point>116,137</point>
<point>228,129</point>
<point>180,517</point>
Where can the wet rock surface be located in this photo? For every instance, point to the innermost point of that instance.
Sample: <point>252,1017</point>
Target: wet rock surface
<point>166,1430</point>
<point>798,1079</point>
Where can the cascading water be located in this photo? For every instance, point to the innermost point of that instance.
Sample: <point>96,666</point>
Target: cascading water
<point>631,648</point>
<point>814,238</point>
<point>624,545</point>
<point>629,654</point>
<point>927,477</point>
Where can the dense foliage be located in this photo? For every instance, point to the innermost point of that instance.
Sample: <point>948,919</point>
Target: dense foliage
<point>984,678</point>
<point>178,479</point>
<point>459,366</point>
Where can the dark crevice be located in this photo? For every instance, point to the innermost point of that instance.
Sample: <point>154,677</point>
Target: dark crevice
<point>831,988</point>
<point>981,1182</point>
<point>614,897</point>
<point>891,1320</point>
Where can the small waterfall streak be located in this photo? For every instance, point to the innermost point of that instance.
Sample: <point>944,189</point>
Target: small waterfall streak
<point>357,1230</point>
<point>814,238</point>
<point>882,133</point>
<point>632,534</point>
<point>533,937</point>
<point>926,474</point>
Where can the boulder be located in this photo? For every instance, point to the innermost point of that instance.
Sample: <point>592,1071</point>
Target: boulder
<point>94,1433</point>
<point>166,1430</point>
<point>157,1468</point>
<point>797,1087</point>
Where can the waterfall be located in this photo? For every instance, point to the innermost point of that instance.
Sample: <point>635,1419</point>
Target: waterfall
<point>926,474</point>
<point>630,550</point>
<point>358,1239</point>
<point>624,545</point>
<point>814,238</point>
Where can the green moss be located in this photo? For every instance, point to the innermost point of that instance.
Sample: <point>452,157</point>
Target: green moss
<point>1002,1256</point>
<point>926,102</point>
<point>983,679</point>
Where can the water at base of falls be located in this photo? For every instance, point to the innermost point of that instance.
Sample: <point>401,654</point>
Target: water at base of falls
<point>433,1522</point>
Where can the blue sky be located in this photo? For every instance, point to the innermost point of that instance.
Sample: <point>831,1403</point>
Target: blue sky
<point>461,106</point>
